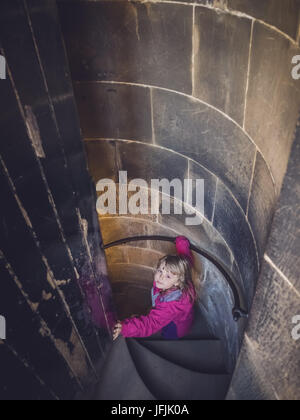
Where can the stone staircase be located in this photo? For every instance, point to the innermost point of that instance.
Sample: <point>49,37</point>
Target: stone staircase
<point>191,368</point>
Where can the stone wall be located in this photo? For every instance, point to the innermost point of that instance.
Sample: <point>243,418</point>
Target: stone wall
<point>54,291</point>
<point>190,90</point>
<point>268,367</point>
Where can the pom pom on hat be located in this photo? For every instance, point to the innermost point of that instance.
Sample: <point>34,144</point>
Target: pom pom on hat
<point>183,248</point>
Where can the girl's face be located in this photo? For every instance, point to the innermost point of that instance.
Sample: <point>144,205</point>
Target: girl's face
<point>164,279</point>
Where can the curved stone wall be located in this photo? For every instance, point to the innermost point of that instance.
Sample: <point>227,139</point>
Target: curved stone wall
<point>189,89</point>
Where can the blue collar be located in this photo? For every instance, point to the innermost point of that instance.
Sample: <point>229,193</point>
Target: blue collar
<point>168,297</point>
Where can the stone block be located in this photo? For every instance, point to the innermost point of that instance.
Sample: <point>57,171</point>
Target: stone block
<point>129,42</point>
<point>197,171</point>
<point>273,99</point>
<point>245,302</point>
<point>284,15</point>
<point>150,162</point>
<point>221,60</point>
<point>206,136</point>
<point>135,208</point>
<point>113,111</point>
<point>231,223</point>
<point>261,204</point>
<point>132,299</point>
<point>141,256</point>
<point>163,247</point>
<point>130,273</point>
<point>284,242</point>
<point>204,236</point>
<point>269,350</point>
<point>116,255</point>
<point>101,156</point>
<point>115,228</point>
<point>217,299</point>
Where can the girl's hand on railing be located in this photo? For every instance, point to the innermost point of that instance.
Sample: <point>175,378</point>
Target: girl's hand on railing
<point>117,330</point>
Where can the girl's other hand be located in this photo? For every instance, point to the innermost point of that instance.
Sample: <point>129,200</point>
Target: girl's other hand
<point>117,330</point>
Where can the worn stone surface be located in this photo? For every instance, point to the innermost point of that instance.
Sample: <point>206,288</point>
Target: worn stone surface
<point>284,15</point>
<point>202,235</point>
<point>269,363</point>
<point>261,204</point>
<point>38,351</point>
<point>284,243</point>
<point>133,204</point>
<point>48,218</point>
<point>216,300</point>
<point>116,255</point>
<point>132,299</point>
<point>222,43</point>
<point>231,222</point>
<point>148,163</point>
<point>114,228</point>
<point>268,366</point>
<point>138,256</point>
<point>106,40</point>
<point>138,274</point>
<point>131,254</point>
<point>204,135</point>
<point>239,280</point>
<point>197,171</point>
<point>110,46</point>
<point>249,367</point>
<point>162,247</point>
<point>273,98</point>
<point>27,387</point>
<point>205,236</point>
<point>102,160</point>
<point>112,110</point>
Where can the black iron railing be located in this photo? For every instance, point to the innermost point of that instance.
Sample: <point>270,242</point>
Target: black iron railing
<point>238,310</point>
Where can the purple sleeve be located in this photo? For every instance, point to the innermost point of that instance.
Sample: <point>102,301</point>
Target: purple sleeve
<point>144,326</point>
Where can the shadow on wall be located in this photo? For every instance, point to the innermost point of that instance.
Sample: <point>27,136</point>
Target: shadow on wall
<point>216,302</point>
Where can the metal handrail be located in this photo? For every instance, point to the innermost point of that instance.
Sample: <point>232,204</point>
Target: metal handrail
<point>237,311</point>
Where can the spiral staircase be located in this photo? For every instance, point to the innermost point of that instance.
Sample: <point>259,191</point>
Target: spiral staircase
<point>191,368</point>
<point>195,367</point>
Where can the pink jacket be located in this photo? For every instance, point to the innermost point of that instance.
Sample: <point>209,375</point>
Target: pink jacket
<point>177,314</point>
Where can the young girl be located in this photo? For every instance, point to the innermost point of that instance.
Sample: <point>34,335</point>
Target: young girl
<point>173,297</point>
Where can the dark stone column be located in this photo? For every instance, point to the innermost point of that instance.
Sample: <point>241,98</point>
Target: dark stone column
<point>55,293</point>
<point>268,366</point>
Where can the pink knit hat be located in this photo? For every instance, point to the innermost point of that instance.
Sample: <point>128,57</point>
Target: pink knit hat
<point>183,248</point>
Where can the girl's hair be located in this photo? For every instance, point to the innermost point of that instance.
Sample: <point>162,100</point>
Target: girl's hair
<point>179,265</point>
